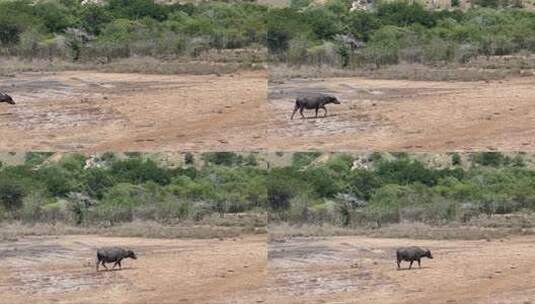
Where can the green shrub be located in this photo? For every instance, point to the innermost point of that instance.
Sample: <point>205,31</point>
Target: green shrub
<point>302,159</point>
<point>189,159</point>
<point>279,194</point>
<point>12,194</point>
<point>493,159</point>
<point>456,159</point>
<point>222,158</point>
<point>36,158</point>
<point>138,170</point>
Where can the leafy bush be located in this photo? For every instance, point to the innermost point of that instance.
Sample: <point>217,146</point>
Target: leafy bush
<point>11,194</point>
<point>121,28</point>
<point>222,158</point>
<point>138,170</point>
<point>398,31</point>
<point>494,159</point>
<point>391,188</point>
<point>302,159</point>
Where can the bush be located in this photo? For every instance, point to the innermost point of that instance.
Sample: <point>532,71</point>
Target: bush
<point>456,159</point>
<point>393,188</point>
<point>406,171</point>
<point>97,181</point>
<point>493,159</point>
<point>222,158</point>
<point>57,180</point>
<point>302,159</point>
<point>36,158</point>
<point>138,170</point>
<point>11,194</point>
<point>363,183</point>
<point>279,194</point>
<point>189,159</point>
<point>400,13</point>
<point>397,31</point>
<point>120,28</point>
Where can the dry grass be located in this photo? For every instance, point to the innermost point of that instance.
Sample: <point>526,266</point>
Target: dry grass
<point>402,230</point>
<point>282,230</point>
<point>473,72</point>
<point>146,229</point>
<point>520,62</point>
<point>450,232</point>
<point>144,65</point>
<point>280,72</point>
<point>520,220</point>
<point>257,220</point>
<point>247,55</point>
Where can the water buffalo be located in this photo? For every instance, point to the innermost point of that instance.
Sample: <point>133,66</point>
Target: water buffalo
<point>113,255</point>
<point>317,101</point>
<point>411,254</point>
<point>6,98</point>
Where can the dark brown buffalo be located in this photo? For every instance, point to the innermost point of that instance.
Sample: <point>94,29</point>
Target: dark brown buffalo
<point>411,254</point>
<point>316,102</point>
<point>6,98</point>
<point>113,255</point>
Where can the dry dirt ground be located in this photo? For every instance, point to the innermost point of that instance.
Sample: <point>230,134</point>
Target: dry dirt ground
<point>363,270</point>
<point>93,111</point>
<point>407,115</point>
<point>62,270</point>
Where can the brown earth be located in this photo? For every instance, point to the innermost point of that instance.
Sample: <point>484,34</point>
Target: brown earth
<point>62,270</point>
<point>363,270</point>
<point>93,111</point>
<point>406,115</point>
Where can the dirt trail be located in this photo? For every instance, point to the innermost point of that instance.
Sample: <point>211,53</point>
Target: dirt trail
<point>61,270</point>
<point>83,110</point>
<point>363,270</point>
<point>408,115</point>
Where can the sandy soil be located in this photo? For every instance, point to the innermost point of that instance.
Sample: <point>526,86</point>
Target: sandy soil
<point>80,110</point>
<point>363,270</point>
<point>62,270</point>
<point>407,115</point>
<point>93,111</point>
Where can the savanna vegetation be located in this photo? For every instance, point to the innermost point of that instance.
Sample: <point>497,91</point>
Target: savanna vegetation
<point>394,32</point>
<point>480,189</point>
<point>107,31</point>
<point>348,191</point>
<point>303,33</point>
<point>221,189</point>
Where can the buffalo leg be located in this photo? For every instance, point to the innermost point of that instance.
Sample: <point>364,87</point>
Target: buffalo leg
<point>301,112</point>
<point>324,109</point>
<point>104,265</point>
<point>98,263</point>
<point>399,262</point>
<point>120,266</point>
<point>295,110</point>
<point>118,262</point>
<point>410,265</point>
<point>419,264</point>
